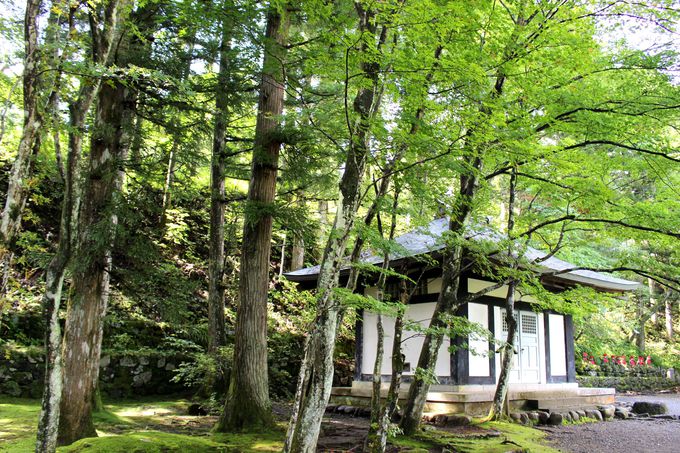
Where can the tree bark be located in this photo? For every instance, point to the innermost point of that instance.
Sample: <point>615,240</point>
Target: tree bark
<point>297,251</point>
<point>316,372</point>
<point>668,310</point>
<point>640,331</point>
<point>98,221</point>
<point>17,189</point>
<point>48,424</point>
<point>216,333</point>
<point>97,224</point>
<point>500,396</point>
<point>376,440</point>
<point>508,351</point>
<point>248,405</point>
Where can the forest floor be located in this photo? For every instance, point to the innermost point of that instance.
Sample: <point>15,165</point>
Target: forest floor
<point>151,425</point>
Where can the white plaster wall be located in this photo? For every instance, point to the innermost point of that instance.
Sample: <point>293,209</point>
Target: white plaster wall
<point>411,343</point>
<point>478,347</point>
<point>558,353</point>
<point>434,285</point>
<point>475,285</point>
<point>541,349</point>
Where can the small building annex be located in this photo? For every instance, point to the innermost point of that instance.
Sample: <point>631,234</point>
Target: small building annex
<point>543,371</point>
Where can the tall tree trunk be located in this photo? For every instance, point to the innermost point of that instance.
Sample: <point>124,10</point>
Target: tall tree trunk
<point>446,303</point>
<point>668,310</point>
<point>97,222</point>
<point>17,190</point>
<point>316,372</point>
<point>500,396</point>
<point>297,253</point>
<point>48,424</point>
<point>247,404</point>
<point>653,316</point>
<point>507,354</point>
<point>375,440</point>
<point>216,333</point>
<point>452,257</point>
<point>169,178</point>
<point>640,331</point>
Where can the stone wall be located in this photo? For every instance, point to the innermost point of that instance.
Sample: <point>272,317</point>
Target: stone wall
<point>627,383</point>
<point>120,374</point>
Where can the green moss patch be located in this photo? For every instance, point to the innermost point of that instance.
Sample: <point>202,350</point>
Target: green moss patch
<point>512,437</point>
<point>134,426</point>
<point>18,420</point>
<point>156,441</point>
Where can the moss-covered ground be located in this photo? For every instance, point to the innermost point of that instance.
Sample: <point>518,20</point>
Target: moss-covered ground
<point>134,426</point>
<point>508,437</point>
<point>161,426</point>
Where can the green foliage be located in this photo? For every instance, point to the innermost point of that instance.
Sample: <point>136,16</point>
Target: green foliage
<point>204,369</point>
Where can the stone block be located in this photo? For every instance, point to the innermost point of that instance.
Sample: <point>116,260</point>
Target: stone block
<point>127,361</point>
<point>555,419</point>
<point>104,361</point>
<point>649,407</point>
<point>621,413</point>
<point>543,417</point>
<point>607,412</point>
<point>458,420</point>
<point>594,414</point>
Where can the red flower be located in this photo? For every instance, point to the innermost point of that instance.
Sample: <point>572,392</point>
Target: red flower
<point>640,360</point>
<point>632,361</point>
<point>649,360</point>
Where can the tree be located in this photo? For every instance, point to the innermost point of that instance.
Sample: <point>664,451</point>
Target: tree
<point>50,413</point>
<point>316,373</point>
<point>247,404</point>
<point>216,333</point>
<point>17,190</point>
<point>97,223</point>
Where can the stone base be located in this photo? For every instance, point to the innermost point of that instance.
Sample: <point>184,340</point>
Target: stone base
<point>476,400</point>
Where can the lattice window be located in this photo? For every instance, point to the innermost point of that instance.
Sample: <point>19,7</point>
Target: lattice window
<point>529,324</point>
<point>504,321</point>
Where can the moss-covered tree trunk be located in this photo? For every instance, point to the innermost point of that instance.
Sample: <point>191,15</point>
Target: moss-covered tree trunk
<point>90,291</point>
<point>90,288</point>
<point>216,333</point>
<point>316,373</point>
<point>500,399</point>
<point>498,405</point>
<point>448,301</point>
<point>48,423</point>
<point>248,404</point>
<point>17,188</point>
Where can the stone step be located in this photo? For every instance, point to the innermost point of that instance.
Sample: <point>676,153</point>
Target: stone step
<point>563,403</point>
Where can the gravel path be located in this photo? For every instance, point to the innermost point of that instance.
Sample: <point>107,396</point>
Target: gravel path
<point>622,436</point>
<point>672,400</point>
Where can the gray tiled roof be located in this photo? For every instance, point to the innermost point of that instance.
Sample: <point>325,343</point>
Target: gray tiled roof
<point>429,239</point>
